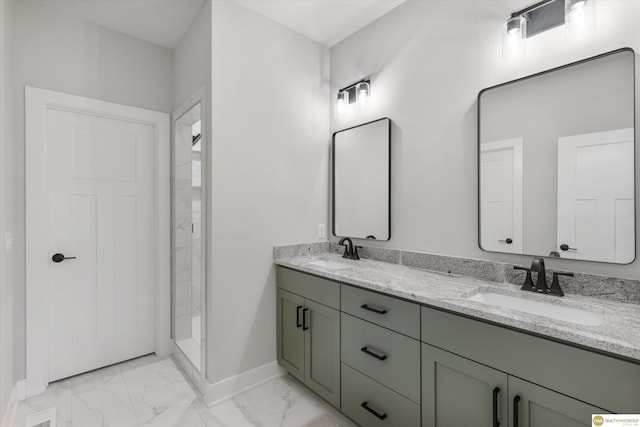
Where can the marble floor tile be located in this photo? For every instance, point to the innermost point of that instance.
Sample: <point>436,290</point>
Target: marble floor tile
<point>57,395</point>
<point>152,392</point>
<point>157,387</point>
<point>106,404</point>
<point>280,402</point>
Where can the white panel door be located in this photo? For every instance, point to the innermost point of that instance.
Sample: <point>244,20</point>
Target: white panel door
<point>101,211</point>
<point>501,196</point>
<point>596,203</point>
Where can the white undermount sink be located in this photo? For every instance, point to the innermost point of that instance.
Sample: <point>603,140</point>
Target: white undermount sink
<point>562,312</point>
<point>332,265</point>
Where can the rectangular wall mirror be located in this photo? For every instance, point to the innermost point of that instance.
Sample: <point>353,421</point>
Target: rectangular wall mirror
<point>556,162</point>
<point>361,181</point>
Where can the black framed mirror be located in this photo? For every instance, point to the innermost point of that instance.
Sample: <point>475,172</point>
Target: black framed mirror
<point>556,162</point>
<point>361,163</point>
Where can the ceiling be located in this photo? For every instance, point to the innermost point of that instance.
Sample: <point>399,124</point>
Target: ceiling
<point>325,21</point>
<point>163,22</point>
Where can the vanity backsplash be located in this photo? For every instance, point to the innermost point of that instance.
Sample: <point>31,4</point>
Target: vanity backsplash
<point>611,288</point>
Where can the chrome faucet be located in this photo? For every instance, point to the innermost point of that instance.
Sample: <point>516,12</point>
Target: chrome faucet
<point>350,251</point>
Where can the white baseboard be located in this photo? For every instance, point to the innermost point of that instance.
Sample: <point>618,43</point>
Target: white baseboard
<point>226,389</point>
<point>11,410</point>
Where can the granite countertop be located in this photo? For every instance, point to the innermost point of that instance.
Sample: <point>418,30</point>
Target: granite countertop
<point>617,334</point>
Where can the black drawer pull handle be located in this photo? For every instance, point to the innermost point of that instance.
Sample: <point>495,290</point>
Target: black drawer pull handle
<point>377,356</point>
<point>516,400</point>
<point>304,319</point>
<point>496,423</point>
<point>298,323</point>
<point>375,310</point>
<point>380,416</point>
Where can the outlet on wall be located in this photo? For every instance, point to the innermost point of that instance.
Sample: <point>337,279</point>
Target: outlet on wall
<point>322,231</point>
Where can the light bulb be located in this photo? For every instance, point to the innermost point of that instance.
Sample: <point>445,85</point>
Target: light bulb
<point>363,93</point>
<point>513,37</point>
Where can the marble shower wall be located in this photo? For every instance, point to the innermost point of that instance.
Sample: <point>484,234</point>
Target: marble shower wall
<point>196,251</point>
<point>183,235</point>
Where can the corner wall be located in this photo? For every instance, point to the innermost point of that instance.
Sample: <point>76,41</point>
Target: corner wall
<point>270,140</point>
<point>7,378</point>
<point>55,51</point>
<point>428,60</point>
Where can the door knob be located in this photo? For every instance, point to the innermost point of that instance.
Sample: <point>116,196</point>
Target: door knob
<point>60,257</point>
<point>508,241</point>
<point>566,247</point>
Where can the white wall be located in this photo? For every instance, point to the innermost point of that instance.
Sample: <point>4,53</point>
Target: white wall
<point>192,58</point>
<point>58,52</point>
<point>6,279</point>
<point>428,60</point>
<point>270,139</point>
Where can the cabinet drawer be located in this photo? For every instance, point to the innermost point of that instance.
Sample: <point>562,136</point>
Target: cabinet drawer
<point>312,287</point>
<point>603,381</point>
<point>398,315</point>
<point>358,389</point>
<point>400,369</point>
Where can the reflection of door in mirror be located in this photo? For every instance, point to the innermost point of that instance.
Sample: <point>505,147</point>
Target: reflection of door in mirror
<point>501,196</point>
<point>189,147</point>
<point>596,196</point>
<point>590,97</point>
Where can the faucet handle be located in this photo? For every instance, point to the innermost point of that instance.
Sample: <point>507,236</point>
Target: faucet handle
<point>555,288</point>
<point>528,282</point>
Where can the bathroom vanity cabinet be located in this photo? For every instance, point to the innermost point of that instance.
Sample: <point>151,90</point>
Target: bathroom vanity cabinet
<point>308,335</point>
<point>401,363</point>
<point>461,392</point>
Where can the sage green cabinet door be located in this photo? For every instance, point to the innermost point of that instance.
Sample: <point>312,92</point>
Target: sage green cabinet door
<point>541,407</point>
<point>322,351</point>
<point>290,336</point>
<point>459,392</point>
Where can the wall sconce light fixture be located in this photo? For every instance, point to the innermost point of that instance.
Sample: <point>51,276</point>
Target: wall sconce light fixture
<point>357,93</point>
<point>578,15</point>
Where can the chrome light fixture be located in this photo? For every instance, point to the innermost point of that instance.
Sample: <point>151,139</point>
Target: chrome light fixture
<point>356,94</point>
<point>578,15</point>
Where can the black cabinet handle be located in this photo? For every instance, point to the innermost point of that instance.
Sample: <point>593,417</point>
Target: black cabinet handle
<point>61,257</point>
<point>380,416</point>
<point>304,319</point>
<point>377,356</point>
<point>496,423</point>
<point>298,323</point>
<point>375,310</point>
<point>516,417</point>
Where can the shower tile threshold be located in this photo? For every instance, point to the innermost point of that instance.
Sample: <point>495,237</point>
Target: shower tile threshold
<point>153,391</point>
